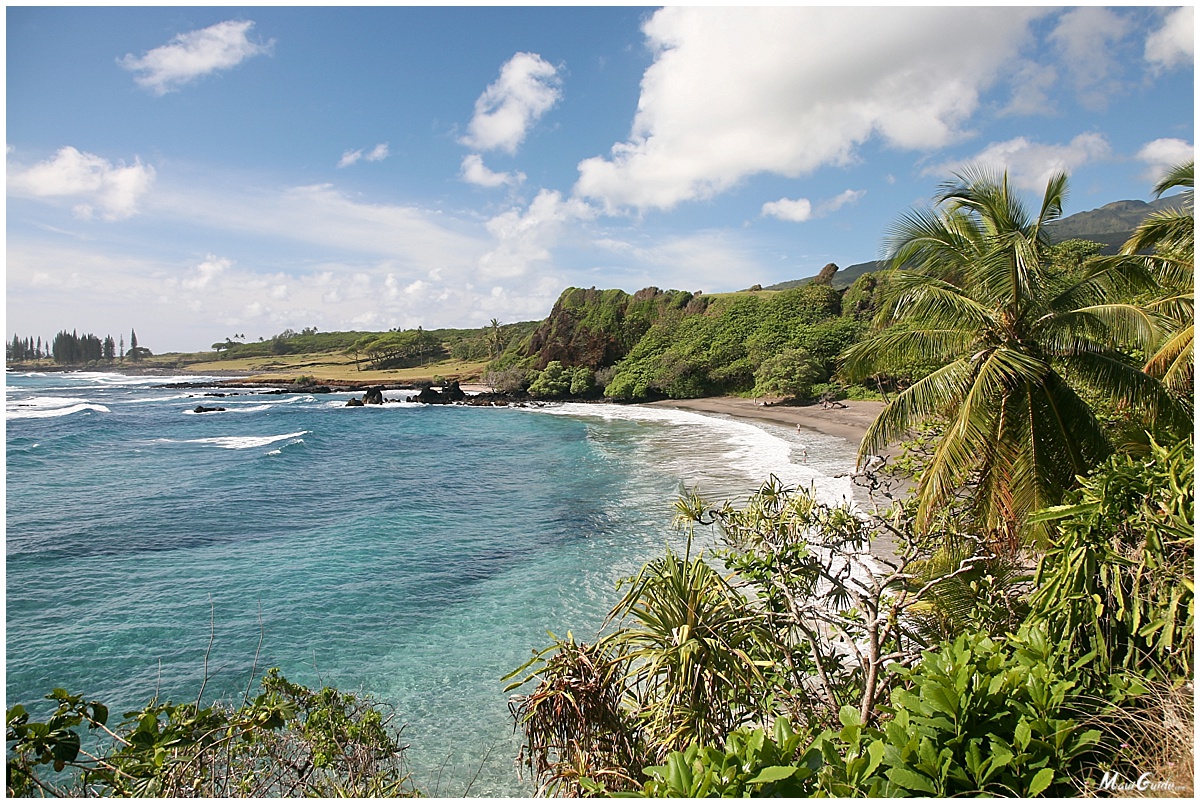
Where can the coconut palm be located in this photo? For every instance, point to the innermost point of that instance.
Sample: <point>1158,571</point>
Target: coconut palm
<point>1169,237</point>
<point>971,290</point>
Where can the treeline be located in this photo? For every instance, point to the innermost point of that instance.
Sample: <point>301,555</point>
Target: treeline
<point>395,348</point>
<point>71,348</point>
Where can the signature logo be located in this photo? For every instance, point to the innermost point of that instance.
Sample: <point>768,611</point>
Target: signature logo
<point>1116,782</point>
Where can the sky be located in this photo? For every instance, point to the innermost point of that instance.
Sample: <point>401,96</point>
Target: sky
<point>196,174</point>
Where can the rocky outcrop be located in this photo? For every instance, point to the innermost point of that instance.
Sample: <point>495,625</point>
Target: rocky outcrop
<point>449,394</point>
<point>354,402</point>
<point>373,396</point>
<point>826,275</point>
<point>595,328</point>
<point>202,409</point>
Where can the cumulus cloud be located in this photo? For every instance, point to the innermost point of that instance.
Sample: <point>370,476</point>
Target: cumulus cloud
<point>193,55</point>
<point>737,91</point>
<point>796,210</point>
<point>101,187</point>
<point>206,272</point>
<point>376,154</point>
<point>475,172</point>
<point>527,88</point>
<point>524,239</point>
<point>1086,39</point>
<point>1031,164</point>
<point>1163,154</point>
<point>801,209</point>
<point>1173,44</point>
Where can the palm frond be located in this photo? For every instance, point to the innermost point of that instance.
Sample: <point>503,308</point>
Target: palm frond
<point>1111,373</point>
<point>934,302</point>
<point>898,348</point>
<point>1182,175</point>
<point>924,399</point>
<point>1174,362</point>
<point>1111,324</point>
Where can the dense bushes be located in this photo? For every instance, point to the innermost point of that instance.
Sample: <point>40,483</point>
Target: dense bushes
<point>688,355</point>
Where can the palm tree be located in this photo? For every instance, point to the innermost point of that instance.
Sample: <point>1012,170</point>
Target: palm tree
<point>495,337</point>
<point>971,291</point>
<point>1169,237</point>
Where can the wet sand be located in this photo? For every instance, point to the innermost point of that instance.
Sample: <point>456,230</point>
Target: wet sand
<point>850,422</point>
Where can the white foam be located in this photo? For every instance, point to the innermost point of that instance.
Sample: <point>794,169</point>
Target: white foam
<point>242,442</point>
<point>51,413</point>
<point>752,451</point>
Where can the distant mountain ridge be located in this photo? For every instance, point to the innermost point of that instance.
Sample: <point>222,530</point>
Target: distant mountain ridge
<point>1111,224</point>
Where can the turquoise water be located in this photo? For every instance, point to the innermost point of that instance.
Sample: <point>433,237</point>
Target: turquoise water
<point>413,552</point>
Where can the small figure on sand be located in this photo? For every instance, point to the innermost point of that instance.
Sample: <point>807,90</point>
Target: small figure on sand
<point>827,401</point>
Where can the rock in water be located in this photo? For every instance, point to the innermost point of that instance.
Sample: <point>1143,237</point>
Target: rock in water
<point>373,396</point>
<point>202,409</point>
<point>354,402</point>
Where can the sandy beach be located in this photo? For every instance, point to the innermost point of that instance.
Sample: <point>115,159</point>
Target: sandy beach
<point>850,422</point>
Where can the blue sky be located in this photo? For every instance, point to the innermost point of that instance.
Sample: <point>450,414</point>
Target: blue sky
<point>197,173</point>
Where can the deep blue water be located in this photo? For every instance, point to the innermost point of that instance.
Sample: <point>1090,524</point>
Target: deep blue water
<point>417,553</point>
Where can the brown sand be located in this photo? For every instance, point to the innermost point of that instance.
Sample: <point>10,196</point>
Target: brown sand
<point>850,422</point>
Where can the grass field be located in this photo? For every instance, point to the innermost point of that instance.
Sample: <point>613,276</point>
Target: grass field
<point>335,366</point>
<point>321,367</point>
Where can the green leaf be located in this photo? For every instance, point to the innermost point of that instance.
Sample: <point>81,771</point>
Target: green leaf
<point>773,774</point>
<point>1041,781</point>
<point>911,780</point>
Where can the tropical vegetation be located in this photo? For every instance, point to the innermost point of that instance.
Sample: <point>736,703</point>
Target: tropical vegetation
<point>1010,613</point>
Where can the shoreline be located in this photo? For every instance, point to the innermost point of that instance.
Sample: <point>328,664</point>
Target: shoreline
<point>849,423</point>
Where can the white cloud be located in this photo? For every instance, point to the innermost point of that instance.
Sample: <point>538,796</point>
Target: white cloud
<point>376,154</point>
<point>1174,44</point>
<point>206,272</point>
<point>840,200</point>
<point>786,209</point>
<point>192,55</point>
<point>801,209</point>
<point>525,238</point>
<point>1163,154</point>
<point>111,190</point>
<point>711,260</point>
<point>1031,86</point>
<point>527,88</point>
<point>735,92</point>
<point>475,172</point>
<point>1030,164</point>
<point>1085,40</point>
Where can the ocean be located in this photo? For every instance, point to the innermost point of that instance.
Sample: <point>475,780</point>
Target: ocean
<point>416,553</point>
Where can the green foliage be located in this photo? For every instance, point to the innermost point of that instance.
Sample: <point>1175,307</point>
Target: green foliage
<point>1118,580</point>
<point>720,349</point>
<point>1068,257</point>
<point>977,716</point>
<point>552,382</point>
<point>791,373</point>
<point>583,381</point>
<point>287,741</point>
<point>754,762</point>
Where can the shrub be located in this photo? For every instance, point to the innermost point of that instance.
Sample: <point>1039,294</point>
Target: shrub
<point>288,741</point>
